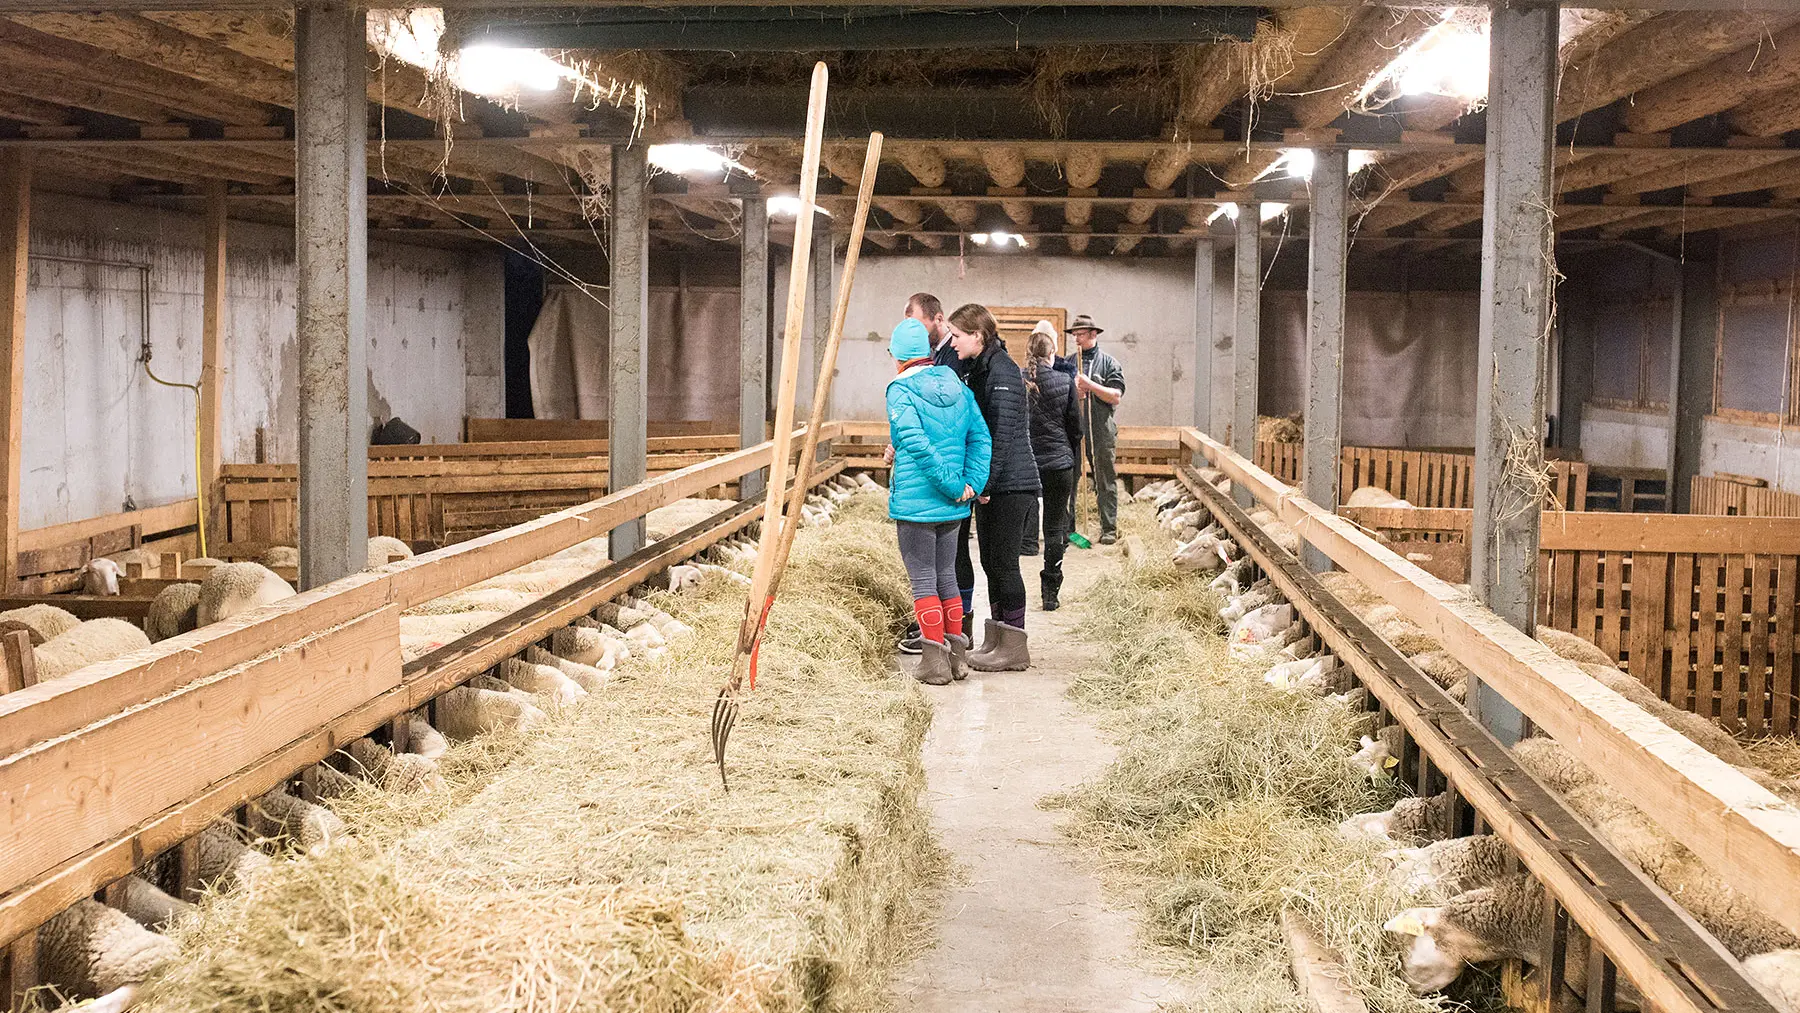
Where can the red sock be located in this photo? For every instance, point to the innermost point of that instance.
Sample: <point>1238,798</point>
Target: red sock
<point>930,612</point>
<point>953,616</point>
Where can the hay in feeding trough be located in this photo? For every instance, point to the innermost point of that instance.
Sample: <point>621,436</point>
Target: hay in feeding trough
<point>594,864</point>
<point>1222,807</point>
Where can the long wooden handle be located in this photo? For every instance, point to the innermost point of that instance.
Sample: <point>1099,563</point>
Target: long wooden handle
<point>790,371</point>
<point>828,362</point>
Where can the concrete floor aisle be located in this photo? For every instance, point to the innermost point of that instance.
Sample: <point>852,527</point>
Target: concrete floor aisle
<point>1026,928</point>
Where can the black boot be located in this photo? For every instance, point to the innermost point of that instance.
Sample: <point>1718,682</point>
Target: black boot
<point>1051,586</point>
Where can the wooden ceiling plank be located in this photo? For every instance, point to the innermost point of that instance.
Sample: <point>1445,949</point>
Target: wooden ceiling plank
<point>26,47</point>
<point>924,162</point>
<point>165,48</point>
<point>1767,65</point>
<point>1659,50</point>
<point>1769,115</point>
<point>1694,170</point>
<point>29,110</point>
<point>1367,48</point>
<point>61,89</point>
<point>1775,174</point>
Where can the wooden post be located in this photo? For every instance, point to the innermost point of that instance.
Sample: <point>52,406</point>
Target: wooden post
<point>15,246</point>
<point>18,959</point>
<point>1327,269</point>
<point>21,970</point>
<point>212,374</point>
<point>753,336</point>
<point>20,663</point>
<point>1245,372</point>
<point>627,403</point>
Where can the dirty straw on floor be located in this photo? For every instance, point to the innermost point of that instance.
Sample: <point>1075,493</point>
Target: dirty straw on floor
<point>1222,807</point>
<point>595,864</point>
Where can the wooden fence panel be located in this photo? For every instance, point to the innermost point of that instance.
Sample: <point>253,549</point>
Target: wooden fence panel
<point>1424,478</point>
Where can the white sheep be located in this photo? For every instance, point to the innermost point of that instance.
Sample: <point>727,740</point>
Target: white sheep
<point>424,740</point>
<point>1258,628</point>
<point>1375,757</point>
<point>1445,670</point>
<point>1234,578</point>
<point>713,570</point>
<point>1259,594</point>
<point>423,634</point>
<point>474,599</point>
<point>222,860</point>
<point>382,548</point>
<point>1778,972</point>
<point>1499,922</point>
<point>175,610</point>
<point>541,679</point>
<point>280,555</point>
<point>90,643</point>
<point>587,646</point>
<point>91,950</point>
<point>1413,820</point>
<point>1204,554</point>
<point>100,577</point>
<point>1374,496</point>
<point>587,677</point>
<point>1154,490</point>
<point>394,772</point>
<point>231,588</point>
<point>41,622</point>
<point>143,902</point>
<point>1444,869</point>
<point>868,484</point>
<point>468,711</point>
<point>276,814</point>
<point>681,577</point>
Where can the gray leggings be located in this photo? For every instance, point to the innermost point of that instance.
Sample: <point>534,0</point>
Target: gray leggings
<point>929,552</point>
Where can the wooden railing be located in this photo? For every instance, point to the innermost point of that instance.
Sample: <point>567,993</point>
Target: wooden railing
<point>538,430</point>
<point>1720,494</point>
<point>51,558</point>
<point>1425,478</point>
<point>1142,451</point>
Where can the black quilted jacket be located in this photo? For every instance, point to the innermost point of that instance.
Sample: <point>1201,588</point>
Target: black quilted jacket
<point>1055,421</point>
<point>1000,391</point>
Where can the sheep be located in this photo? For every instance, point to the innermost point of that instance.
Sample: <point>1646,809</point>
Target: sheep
<point>1258,628</point>
<point>100,577</point>
<point>1154,490</point>
<point>541,679</point>
<point>1376,757</point>
<point>280,555</point>
<point>713,570</point>
<point>681,577</point>
<point>1412,820</point>
<point>424,740</point>
<point>1701,730</point>
<point>866,483</point>
<point>145,904</point>
<point>276,814</point>
<point>231,588</point>
<point>1778,972</point>
<point>1405,635</point>
<point>474,599</point>
<point>91,950</point>
<point>223,861</point>
<point>1572,647</point>
<point>467,711</point>
<point>1446,868</point>
<point>587,646</point>
<point>621,615</point>
<point>424,634</point>
<point>1204,554</point>
<point>586,676</point>
<point>90,643</point>
<point>40,622</point>
<point>1498,922</point>
<point>1353,593</point>
<point>394,772</point>
<point>175,610</point>
<point>1234,578</point>
<point>1444,670</point>
<point>383,548</point>
<point>1374,496</point>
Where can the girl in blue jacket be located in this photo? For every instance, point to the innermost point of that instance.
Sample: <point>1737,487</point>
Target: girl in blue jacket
<point>941,458</point>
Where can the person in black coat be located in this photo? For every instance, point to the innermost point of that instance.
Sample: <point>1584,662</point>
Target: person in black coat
<point>1013,486</point>
<point>1055,440</point>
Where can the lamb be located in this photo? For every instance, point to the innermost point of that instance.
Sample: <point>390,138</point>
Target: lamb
<point>1406,636</point>
<point>1204,554</point>
<point>467,711</point>
<point>424,634</point>
<point>587,646</point>
<point>681,577</point>
<point>100,577</point>
<point>474,599</point>
<point>1444,670</point>
<point>620,615</point>
<point>1259,627</point>
<point>1355,595</point>
<point>385,547</point>
<point>40,622</point>
<point>1376,758</point>
<point>232,588</point>
<point>1778,972</point>
<point>280,555</point>
<point>394,772</point>
<point>1498,922</point>
<point>1234,578</point>
<point>1154,490</point>
<point>541,679</point>
<point>147,905</point>
<point>1411,821</point>
<point>1374,496</point>
<point>223,861</point>
<point>175,610</point>
<point>713,570</point>
<point>276,814</point>
<point>586,676</point>
<point>90,643</point>
<point>91,950</point>
<point>1260,593</point>
<point>866,483</point>
<point>1447,868</point>
<point>424,740</point>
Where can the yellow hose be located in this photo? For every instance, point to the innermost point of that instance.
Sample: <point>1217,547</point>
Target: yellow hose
<point>199,483</point>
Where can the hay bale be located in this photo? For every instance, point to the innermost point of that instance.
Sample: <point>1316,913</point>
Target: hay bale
<point>1279,429</point>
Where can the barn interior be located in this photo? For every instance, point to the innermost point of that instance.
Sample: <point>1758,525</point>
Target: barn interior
<point>1463,333</point>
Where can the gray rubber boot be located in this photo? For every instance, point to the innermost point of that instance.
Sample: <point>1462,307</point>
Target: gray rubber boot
<point>959,656</point>
<point>934,665</point>
<point>1009,653</point>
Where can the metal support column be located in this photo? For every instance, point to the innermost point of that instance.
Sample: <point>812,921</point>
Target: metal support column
<point>1691,380</point>
<point>627,393</point>
<point>1326,271</point>
<point>819,277</point>
<point>331,223</point>
<point>1203,334</point>
<point>1245,375</point>
<point>753,336</point>
<point>1517,286</point>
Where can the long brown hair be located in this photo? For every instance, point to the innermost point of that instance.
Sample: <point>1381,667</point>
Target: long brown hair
<point>974,318</point>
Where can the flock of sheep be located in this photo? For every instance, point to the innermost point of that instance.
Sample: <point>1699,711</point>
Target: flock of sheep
<point>104,950</point>
<point>1479,908</point>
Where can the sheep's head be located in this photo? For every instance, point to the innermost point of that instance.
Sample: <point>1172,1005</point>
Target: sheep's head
<point>1366,826</point>
<point>100,576</point>
<point>1412,870</point>
<point>1438,948</point>
<point>682,577</point>
<point>1374,759</point>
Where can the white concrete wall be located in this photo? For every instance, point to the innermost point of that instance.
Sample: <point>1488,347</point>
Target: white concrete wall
<point>1639,439</point>
<point>98,432</point>
<point>1624,439</point>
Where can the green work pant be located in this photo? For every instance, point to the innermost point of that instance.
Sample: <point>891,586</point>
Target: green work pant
<point>1100,464</point>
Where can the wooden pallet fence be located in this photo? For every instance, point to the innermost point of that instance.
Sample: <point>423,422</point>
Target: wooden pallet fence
<point>1733,496</point>
<point>537,430</point>
<point>1279,459</point>
<point>1424,478</point>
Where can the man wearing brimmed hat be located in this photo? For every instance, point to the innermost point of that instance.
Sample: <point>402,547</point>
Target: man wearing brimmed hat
<point>1100,383</point>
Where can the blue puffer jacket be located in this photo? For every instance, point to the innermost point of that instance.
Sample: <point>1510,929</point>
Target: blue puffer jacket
<point>940,445</point>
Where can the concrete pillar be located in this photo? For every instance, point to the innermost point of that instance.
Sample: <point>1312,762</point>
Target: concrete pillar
<point>627,392</point>
<point>1517,281</point>
<point>1326,273</point>
<point>753,336</point>
<point>819,305</point>
<point>1203,333</point>
<point>1245,375</point>
<point>332,253</point>
<point>1691,386</point>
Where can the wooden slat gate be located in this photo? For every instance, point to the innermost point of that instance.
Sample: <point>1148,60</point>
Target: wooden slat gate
<point>1424,478</point>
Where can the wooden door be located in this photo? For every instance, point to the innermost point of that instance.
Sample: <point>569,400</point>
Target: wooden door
<point>1016,323</point>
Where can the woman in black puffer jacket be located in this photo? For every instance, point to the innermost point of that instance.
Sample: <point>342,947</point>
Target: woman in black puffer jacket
<point>1055,436</point>
<point>1012,488</point>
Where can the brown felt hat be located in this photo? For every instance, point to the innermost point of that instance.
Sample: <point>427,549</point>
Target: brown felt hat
<point>1083,322</point>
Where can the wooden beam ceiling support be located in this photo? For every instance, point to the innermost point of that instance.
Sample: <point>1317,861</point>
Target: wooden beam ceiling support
<point>1768,115</point>
<point>57,88</point>
<point>1603,169</point>
<point>156,45</point>
<point>1365,49</point>
<point>216,164</point>
<point>1766,66</point>
<point>924,163</point>
<point>212,370</point>
<point>1452,217</point>
<point>1572,219</point>
<point>1404,172</point>
<point>30,110</point>
<point>1658,50</point>
<point>1696,169</point>
<point>1390,215</point>
<point>844,163</point>
<point>1586,31</point>
<point>1006,167</point>
<point>15,247</point>
<point>25,48</point>
<point>1781,173</point>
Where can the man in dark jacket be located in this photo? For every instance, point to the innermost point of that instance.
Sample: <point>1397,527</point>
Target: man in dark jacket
<point>1100,382</point>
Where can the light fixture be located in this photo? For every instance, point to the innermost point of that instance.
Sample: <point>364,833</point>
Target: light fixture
<point>497,70</point>
<point>1226,211</point>
<point>1449,60</point>
<point>789,207</point>
<point>693,160</point>
<point>1270,211</point>
<point>999,240</point>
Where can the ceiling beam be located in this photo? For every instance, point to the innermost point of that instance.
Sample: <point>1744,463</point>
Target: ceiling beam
<point>1764,67</point>
<point>169,49</point>
<point>1769,115</point>
<point>1776,174</point>
<point>1696,169</point>
<point>23,47</point>
<point>30,110</point>
<point>1660,50</point>
<point>1366,48</point>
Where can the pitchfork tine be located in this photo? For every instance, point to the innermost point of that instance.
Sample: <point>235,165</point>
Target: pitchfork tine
<point>724,718</point>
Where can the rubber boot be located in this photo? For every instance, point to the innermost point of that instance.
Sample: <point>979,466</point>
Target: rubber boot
<point>959,655</point>
<point>1051,586</point>
<point>1010,651</point>
<point>934,665</point>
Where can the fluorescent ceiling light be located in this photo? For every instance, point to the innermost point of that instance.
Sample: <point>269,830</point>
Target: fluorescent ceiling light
<point>495,70</point>
<point>999,240</point>
<point>790,207</point>
<point>695,160</point>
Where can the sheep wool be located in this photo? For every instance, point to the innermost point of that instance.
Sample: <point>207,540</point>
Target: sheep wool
<point>232,588</point>
<point>541,679</point>
<point>466,712</point>
<point>147,905</point>
<point>423,634</point>
<point>87,644</point>
<point>1574,648</point>
<point>280,555</point>
<point>280,815</point>
<point>588,646</point>
<point>1355,595</point>
<point>175,610</point>
<point>622,616</point>
<point>586,676</point>
<point>1778,972</point>
<point>1411,821</point>
<point>41,622</point>
<point>91,949</point>
<point>475,599</point>
<point>223,861</point>
<point>384,547</point>
<point>424,740</point>
<point>1489,923</point>
<point>1701,730</point>
<point>1446,868</point>
<point>403,772</point>
<point>1374,496</point>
